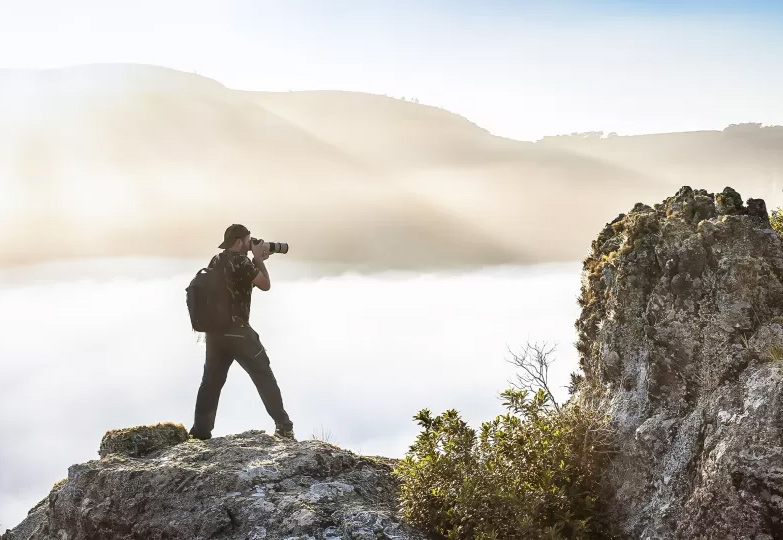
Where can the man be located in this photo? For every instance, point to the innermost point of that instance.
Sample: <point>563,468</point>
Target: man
<point>240,342</point>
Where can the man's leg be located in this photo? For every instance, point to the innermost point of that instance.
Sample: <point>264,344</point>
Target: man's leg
<point>251,355</point>
<point>218,360</point>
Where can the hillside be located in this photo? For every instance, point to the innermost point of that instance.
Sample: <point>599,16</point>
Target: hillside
<point>750,151</point>
<point>146,161</point>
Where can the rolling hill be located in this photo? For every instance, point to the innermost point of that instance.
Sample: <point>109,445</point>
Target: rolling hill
<point>111,160</point>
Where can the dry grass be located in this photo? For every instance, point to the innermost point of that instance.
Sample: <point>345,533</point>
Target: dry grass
<point>775,354</point>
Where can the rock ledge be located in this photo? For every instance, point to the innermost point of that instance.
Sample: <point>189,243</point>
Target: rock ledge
<point>250,486</point>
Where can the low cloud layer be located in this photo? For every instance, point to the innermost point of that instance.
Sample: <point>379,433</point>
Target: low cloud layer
<point>356,357</point>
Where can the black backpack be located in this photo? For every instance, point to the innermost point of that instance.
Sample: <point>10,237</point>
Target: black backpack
<point>209,300</point>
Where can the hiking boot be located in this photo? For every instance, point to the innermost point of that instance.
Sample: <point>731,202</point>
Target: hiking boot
<point>285,432</point>
<point>199,436</point>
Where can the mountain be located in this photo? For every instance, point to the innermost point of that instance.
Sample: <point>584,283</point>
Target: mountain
<point>116,160</point>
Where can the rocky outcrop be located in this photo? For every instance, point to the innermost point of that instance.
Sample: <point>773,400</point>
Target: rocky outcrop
<point>250,486</point>
<point>681,343</point>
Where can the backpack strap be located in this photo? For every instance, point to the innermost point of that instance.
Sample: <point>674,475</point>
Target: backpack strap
<point>220,263</point>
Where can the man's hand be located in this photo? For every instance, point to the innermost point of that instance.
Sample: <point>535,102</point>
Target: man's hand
<point>261,251</point>
<point>260,254</point>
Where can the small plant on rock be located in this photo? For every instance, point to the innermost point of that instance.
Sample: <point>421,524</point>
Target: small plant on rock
<point>776,220</point>
<point>324,435</point>
<point>532,473</point>
<point>775,354</point>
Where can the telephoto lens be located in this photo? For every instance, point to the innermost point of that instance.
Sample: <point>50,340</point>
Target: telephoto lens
<point>274,247</point>
<point>278,247</point>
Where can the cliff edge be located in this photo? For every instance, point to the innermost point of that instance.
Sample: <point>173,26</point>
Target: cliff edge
<point>152,483</point>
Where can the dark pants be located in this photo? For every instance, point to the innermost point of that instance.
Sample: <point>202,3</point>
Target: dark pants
<point>240,344</point>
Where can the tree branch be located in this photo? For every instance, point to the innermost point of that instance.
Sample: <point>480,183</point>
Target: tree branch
<point>534,362</point>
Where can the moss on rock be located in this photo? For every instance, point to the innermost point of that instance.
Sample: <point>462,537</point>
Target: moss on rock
<point>140,441</point>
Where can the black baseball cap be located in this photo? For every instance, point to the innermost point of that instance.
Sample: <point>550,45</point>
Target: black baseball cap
<point>232,233</point>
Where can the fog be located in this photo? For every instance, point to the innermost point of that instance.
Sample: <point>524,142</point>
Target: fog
<point>122,160</point>
<point>89,346</point>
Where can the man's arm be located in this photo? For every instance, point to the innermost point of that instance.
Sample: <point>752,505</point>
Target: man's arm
<point>262,279</point>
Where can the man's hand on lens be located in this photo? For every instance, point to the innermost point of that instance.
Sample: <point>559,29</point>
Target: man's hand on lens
<point>261,251</point>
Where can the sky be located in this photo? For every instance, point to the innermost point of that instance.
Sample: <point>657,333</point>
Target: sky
<point>519,69</point>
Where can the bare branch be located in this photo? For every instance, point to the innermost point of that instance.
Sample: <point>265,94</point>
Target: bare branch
<point>534,361</point>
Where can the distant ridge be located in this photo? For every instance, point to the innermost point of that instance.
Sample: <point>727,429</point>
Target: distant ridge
<point>165,159</point>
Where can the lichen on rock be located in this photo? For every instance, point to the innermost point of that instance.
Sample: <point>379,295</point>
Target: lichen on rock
<point>140,441</point>
<point>679,303</point>
<point>246,486</point>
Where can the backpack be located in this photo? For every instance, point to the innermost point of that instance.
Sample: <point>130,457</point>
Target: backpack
<point>209,300</point>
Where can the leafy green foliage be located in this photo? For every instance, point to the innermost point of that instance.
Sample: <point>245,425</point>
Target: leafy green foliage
<point>532,473</point>
<point>776,220</point>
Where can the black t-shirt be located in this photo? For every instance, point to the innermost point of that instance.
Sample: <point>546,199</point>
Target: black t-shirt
<point>239,272</point>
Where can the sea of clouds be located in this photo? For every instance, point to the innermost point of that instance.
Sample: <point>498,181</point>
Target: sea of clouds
<point>89,346</point>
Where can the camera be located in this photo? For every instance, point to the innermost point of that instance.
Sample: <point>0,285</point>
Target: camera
<point>274,247</point>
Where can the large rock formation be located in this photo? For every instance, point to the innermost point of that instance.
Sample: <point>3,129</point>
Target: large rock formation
<point>680,340</point>
<point>151,485</point>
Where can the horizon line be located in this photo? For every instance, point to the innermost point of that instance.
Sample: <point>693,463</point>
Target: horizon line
<point>196,73</point>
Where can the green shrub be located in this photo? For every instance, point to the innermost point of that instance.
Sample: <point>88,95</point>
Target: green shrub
<point>776,220</point>
<point>532,473</point>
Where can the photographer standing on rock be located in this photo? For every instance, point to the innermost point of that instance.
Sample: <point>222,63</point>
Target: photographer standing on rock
<point>240,342</point>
